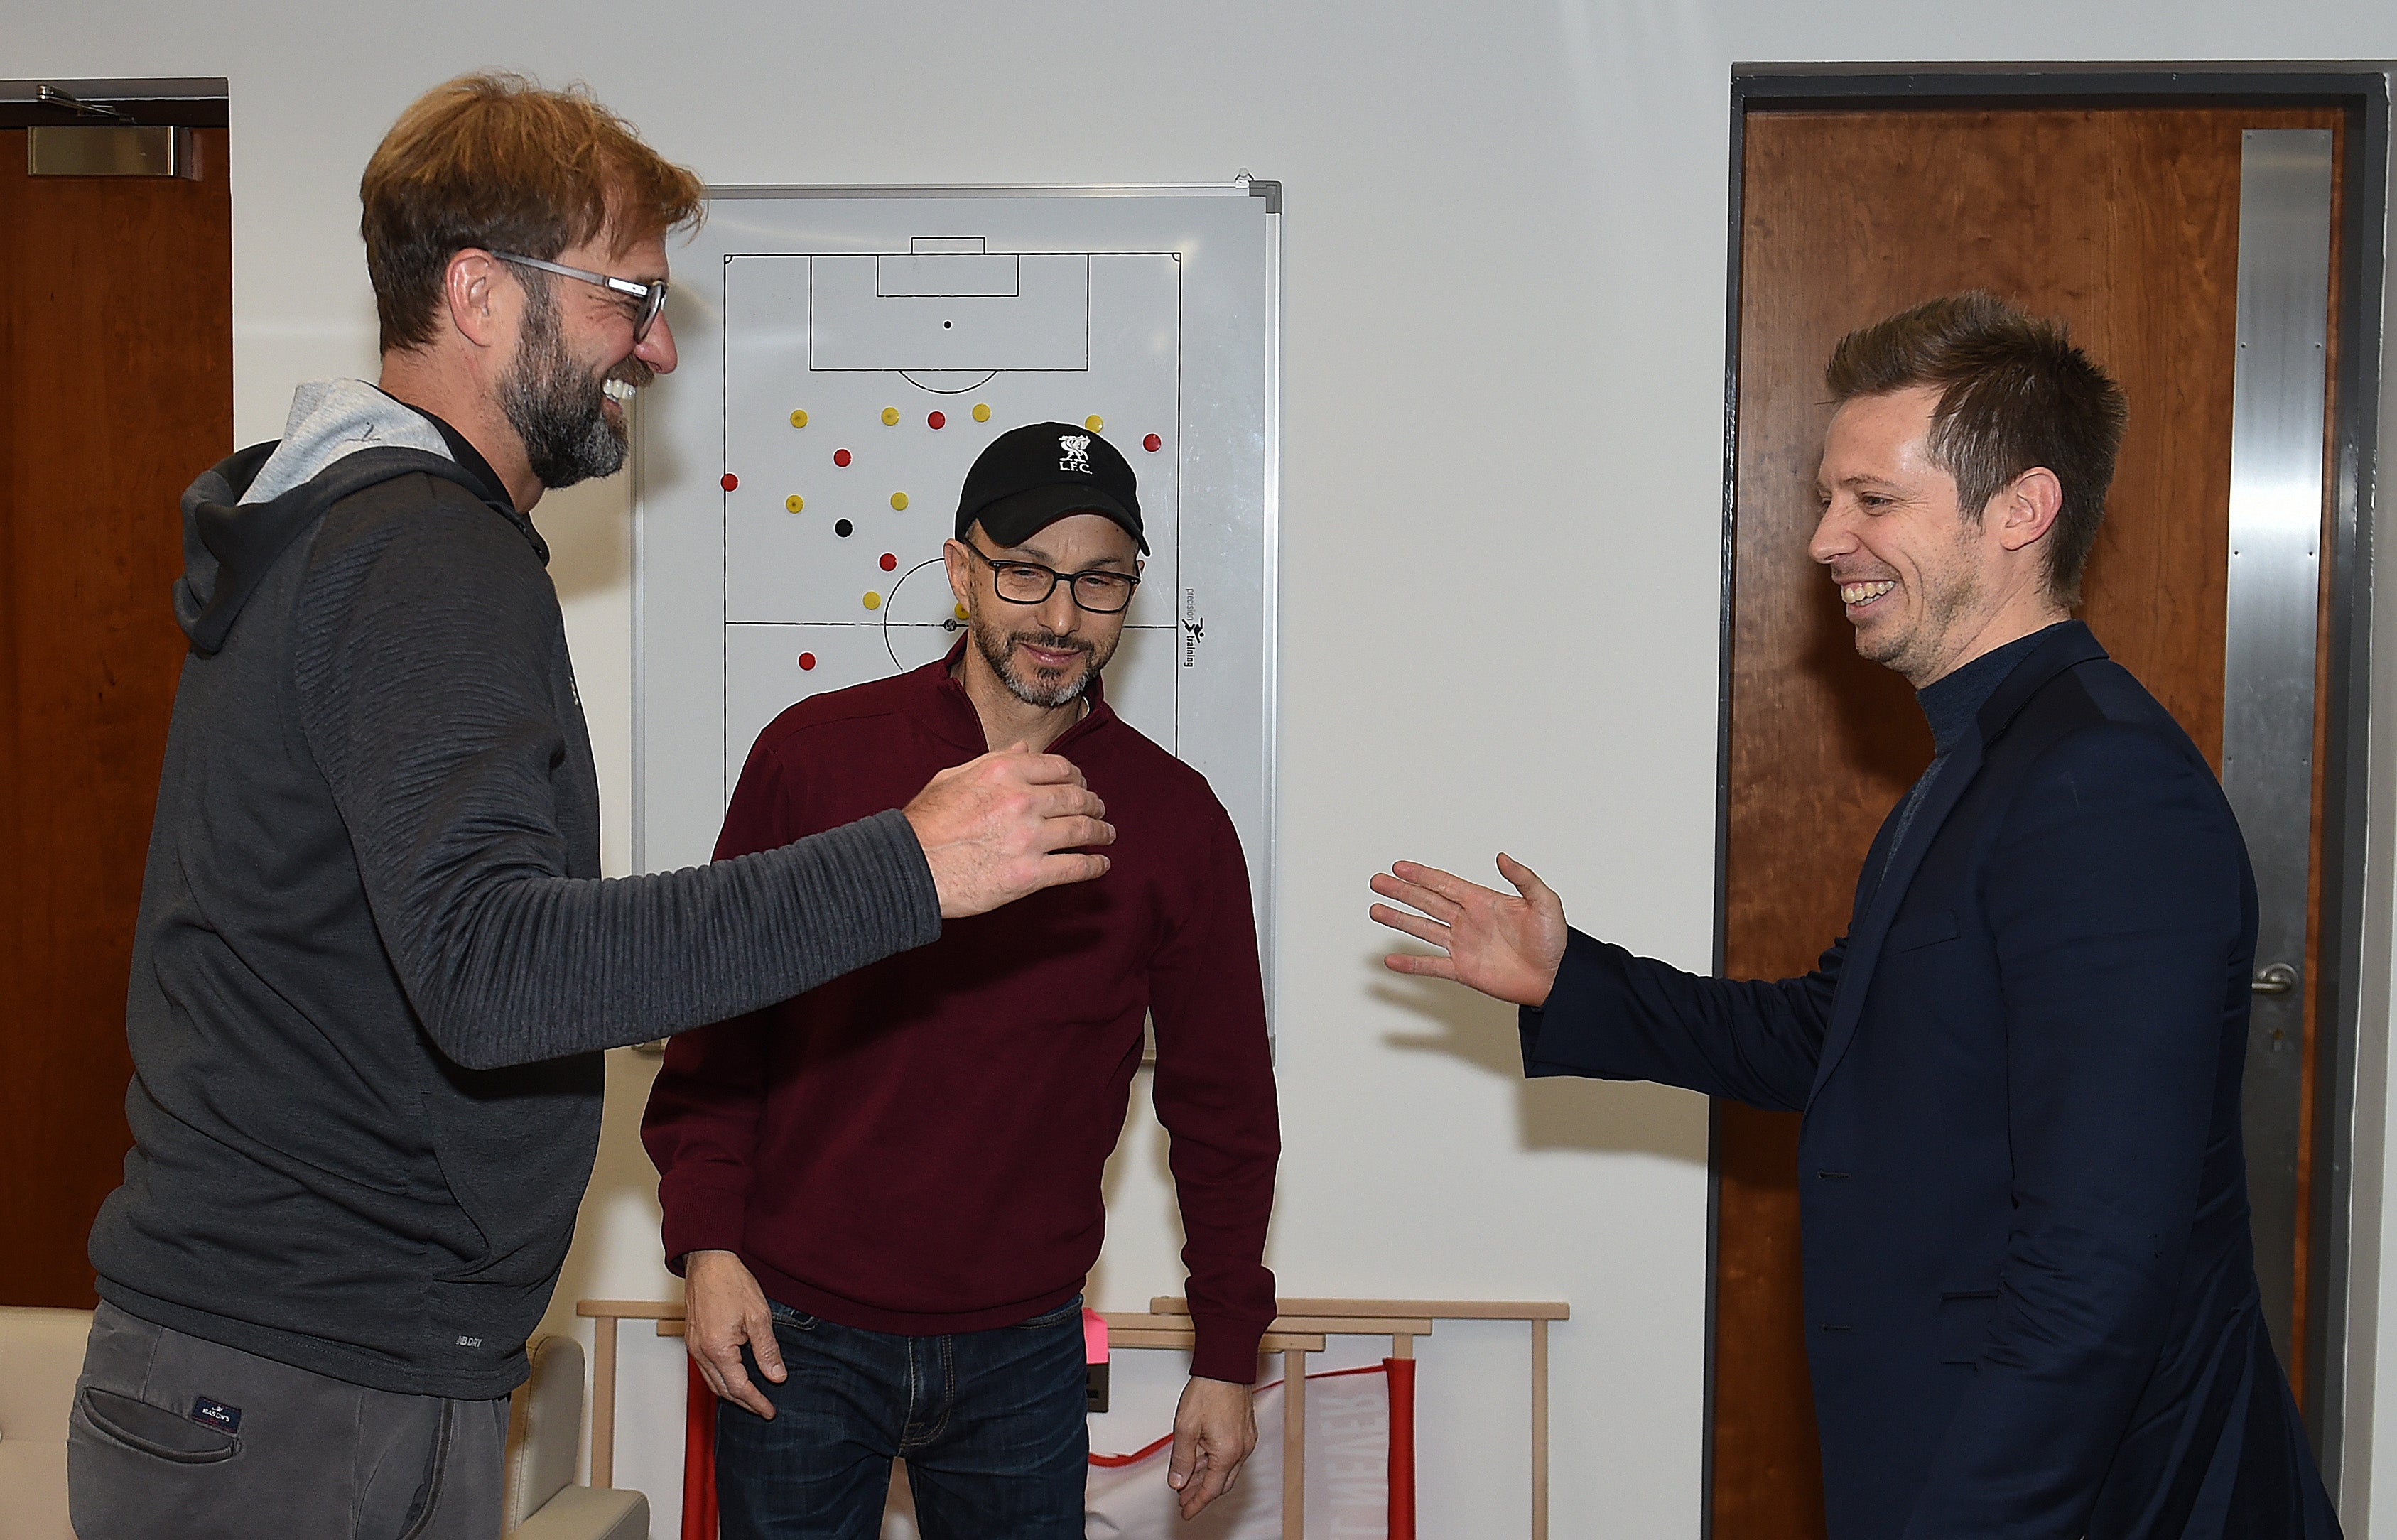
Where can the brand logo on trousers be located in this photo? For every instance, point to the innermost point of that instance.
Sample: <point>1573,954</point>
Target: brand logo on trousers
<point>215,1415</point>
<point>1077,452</point>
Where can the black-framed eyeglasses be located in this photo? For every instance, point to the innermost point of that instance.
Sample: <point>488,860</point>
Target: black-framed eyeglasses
<point>651,296</point>
<point>1029,583</point>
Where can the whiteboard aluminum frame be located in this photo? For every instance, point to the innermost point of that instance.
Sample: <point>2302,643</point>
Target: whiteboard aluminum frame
<point>1270,510</point>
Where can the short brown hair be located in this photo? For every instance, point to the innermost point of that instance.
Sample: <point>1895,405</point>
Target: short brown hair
<point>494,160</point>
<point>2015,393</point>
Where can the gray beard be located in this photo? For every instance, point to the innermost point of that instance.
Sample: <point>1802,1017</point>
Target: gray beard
<point>997,648</point>
<point>556,408</point>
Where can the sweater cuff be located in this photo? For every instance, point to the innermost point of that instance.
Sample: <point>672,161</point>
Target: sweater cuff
<point>877,865</point>
<point>701,1219</point>
<point>1589,975</point>
<point>1225,1349</point>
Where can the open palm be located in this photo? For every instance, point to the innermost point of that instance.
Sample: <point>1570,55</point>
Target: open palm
<point>1506,945</point>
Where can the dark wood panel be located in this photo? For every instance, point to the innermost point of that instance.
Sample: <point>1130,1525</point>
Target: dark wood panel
<point>2125,224</point>
<point>115,388</point>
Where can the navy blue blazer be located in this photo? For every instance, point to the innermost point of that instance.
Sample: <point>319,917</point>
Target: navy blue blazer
<point>2030,1291</point>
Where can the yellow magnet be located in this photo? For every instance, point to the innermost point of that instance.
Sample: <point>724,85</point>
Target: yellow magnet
<point>890,417</point>
<point>982,412</point>
<point>794,502</point>
<point>961,613</point>
<point>873,601</point>
<point>1093,422</point>
<point>799,419</point>
<point>898,501</point>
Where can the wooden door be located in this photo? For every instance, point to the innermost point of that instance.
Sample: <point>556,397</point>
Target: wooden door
<point>2124,223</point>
<point>116,389</point>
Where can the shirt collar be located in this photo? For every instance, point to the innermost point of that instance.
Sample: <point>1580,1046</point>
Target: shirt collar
<point>1951,702</point>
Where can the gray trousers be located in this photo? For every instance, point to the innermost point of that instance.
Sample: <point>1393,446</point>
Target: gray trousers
<point>174,1436</point>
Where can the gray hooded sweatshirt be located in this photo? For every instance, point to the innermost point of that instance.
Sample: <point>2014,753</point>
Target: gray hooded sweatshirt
<point>376,960</point>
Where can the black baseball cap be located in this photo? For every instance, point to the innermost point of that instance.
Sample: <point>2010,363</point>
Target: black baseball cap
<point>1032,477</point>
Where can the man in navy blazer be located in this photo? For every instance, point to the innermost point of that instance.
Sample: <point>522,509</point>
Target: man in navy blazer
<point>2030,1291</point>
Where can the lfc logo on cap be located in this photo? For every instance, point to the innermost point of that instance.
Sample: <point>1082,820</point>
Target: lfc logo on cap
<point>1077,452</point>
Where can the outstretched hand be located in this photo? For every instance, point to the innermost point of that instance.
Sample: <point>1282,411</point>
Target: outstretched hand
<point>1505,946</point>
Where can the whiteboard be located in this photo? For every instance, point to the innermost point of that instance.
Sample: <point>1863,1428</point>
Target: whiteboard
<point>845,353</point>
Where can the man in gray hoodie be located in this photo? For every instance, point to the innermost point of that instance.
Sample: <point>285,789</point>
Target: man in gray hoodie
<point>376,961</point>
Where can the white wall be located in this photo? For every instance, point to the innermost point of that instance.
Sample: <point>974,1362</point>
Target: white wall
<point>1504,292</point>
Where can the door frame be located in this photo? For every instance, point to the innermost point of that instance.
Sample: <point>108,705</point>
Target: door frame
<point>2353,965</point>
<point>181,103</point>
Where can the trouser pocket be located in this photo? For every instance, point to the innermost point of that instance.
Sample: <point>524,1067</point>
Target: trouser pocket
<point>1070,1310</point>
<point>152,1430</point>
<point>784,1316</point>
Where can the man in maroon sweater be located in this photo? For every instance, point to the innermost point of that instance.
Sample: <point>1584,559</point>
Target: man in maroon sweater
<point>884,1195</point>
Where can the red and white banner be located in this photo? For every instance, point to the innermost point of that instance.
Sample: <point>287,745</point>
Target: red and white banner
<point>1355,1488</point>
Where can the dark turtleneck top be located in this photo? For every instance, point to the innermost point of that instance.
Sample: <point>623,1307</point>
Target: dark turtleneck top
<point>1949,703</point>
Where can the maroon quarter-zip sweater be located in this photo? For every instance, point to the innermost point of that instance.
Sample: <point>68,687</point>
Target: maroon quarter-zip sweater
<point>916,1147</point>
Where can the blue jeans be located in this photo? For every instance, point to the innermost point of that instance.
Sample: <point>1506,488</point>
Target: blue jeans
<point>993,1426</point>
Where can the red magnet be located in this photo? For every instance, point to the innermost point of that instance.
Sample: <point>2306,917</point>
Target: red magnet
<point>730,481</point>
<point>889,562</point>
<point>807,660</point>
<point>840,457</point>
<point>1152,443</point>
<point>937,420</point>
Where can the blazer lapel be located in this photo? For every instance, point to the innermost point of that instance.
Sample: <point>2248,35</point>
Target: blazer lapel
<point>2068,643</point>
<point>1872,924</point>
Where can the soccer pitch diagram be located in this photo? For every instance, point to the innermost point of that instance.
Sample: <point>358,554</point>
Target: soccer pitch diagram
<point>858,390</point>
<point>845,353</point>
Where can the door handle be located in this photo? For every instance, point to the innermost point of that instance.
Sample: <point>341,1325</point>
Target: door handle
<point>2279,979</point>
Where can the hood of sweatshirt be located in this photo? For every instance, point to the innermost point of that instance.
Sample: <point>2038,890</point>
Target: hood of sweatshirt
<point>241,515</point>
